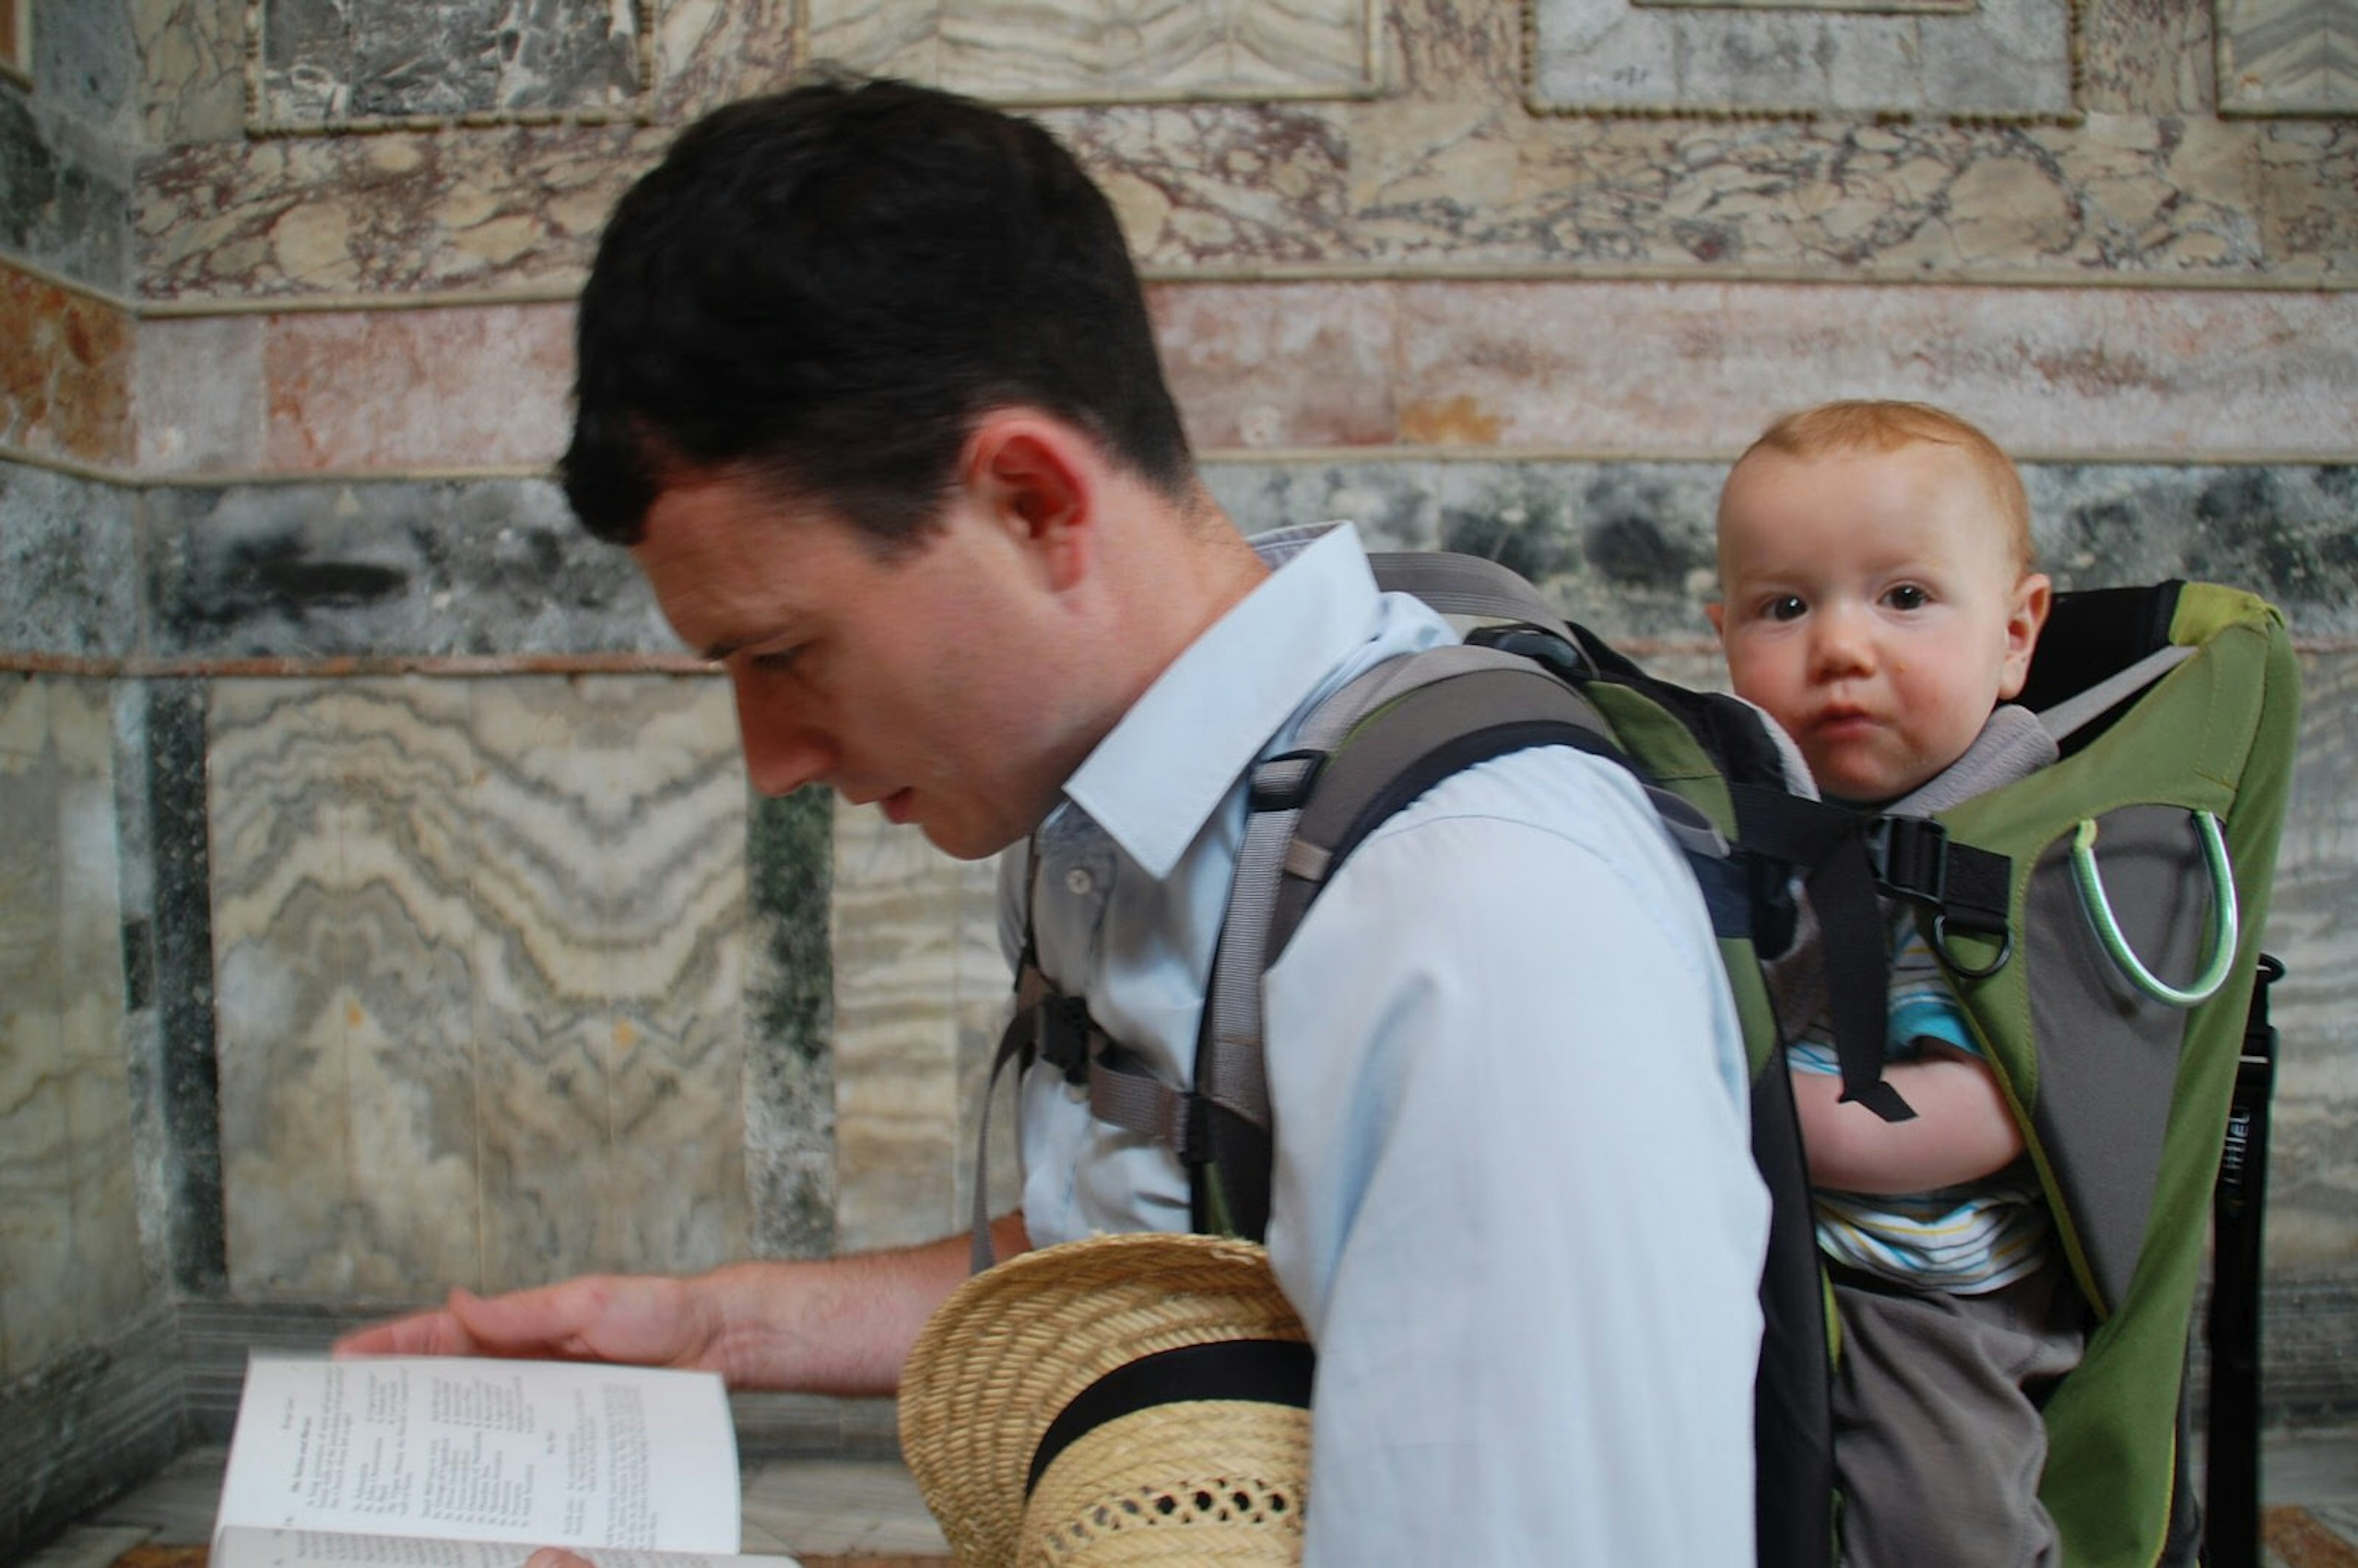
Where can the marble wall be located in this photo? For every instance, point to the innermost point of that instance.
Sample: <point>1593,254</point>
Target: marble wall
<point>446,946</point>
<point>481,950</point>
<point>69,1226</point>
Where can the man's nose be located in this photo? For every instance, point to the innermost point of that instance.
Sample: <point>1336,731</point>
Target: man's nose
<point>783,752</point>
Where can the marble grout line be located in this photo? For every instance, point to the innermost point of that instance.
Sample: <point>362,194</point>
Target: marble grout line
<point>486,666</point>
<point>1209,457</point>
<point>2306,279</point>
<point>358,667</point>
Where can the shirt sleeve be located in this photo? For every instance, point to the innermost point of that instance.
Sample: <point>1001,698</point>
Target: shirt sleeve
<point>1515,1199</point>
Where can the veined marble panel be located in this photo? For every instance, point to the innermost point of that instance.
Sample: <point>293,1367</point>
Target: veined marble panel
<point>197,397</point>
<point>1602,366</point>
<point>2308,169</point>
<point>2146,57</point>
<point>70,1267</point>
<point>398,566</point>
<point>386,212</point>
<point>66,198</point>
<point>1642,368</point>
<point>1997,57</point>
<point>1410,184</point>
<point>84,60</point>
<point>790,1003</point>
<point>68,565</point>
<point>192,55</point>
<point>1626,547</point>
<point>330,65</point>
<point>920,993</point>
<point>496,567</point>
<point>480,981</point>
<point>456,388</point>
<point>1123,48</point>
<point>2288,56</point>
<point>65,373</point>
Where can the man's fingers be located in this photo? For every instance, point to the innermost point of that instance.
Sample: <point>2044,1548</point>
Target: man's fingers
<point>555,1557</point>
<point>435,1333</point>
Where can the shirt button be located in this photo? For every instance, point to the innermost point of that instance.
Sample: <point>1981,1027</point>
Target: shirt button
<point>1078,882</point>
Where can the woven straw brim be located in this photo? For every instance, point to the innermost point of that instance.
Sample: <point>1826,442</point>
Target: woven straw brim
<point>1014,1344</point>
<point>1198,1482</point>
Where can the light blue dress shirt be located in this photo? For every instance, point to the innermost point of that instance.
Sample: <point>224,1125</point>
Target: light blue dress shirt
<point>1513,1200</point>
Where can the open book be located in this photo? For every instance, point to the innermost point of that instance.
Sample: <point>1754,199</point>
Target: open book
<point>441,1461</point>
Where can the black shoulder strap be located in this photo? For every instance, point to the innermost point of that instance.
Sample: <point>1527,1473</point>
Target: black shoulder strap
<point>2231,1529</point>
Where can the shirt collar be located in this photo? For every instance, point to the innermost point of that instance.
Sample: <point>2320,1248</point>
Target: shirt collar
<point>1156,778</point>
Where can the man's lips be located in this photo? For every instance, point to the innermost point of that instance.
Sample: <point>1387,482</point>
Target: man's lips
<point>900,806</point>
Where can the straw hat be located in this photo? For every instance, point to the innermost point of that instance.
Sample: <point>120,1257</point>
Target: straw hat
<point>1123,1400</point>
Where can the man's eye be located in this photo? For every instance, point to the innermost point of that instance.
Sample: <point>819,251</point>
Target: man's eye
<point>1785,607</point>
<point>773,661</point>
<point>1908,596</point>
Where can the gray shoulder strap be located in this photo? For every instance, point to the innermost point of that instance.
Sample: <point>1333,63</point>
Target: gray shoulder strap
<point>1283,861</point>
<point>1466,585</point>
<point>2076,710</point>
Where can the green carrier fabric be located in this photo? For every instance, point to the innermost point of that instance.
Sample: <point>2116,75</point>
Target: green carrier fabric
<point>2058,903</point>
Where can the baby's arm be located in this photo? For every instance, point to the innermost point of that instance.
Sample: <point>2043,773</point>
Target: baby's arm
<point>1961,1131</point>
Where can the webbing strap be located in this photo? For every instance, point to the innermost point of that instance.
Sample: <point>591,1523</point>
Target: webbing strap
<point>2232,1468</point>
<point>1828,845</point>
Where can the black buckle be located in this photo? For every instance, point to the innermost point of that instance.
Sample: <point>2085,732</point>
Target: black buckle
<point>1062,1036</point>
<point>1910,858</point>
<point>1270,793</point>
<point>1195,1138</point>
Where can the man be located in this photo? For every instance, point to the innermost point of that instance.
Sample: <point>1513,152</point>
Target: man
<point>868,386</point>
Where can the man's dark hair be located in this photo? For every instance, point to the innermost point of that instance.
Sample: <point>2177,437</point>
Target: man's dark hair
<point>825,286</point>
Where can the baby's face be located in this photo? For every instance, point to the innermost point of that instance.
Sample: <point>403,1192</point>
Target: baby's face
<point>1872,604</point>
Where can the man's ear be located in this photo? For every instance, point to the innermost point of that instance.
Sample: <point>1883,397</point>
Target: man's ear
<point>1042,481</point>
<point>2033,596</point>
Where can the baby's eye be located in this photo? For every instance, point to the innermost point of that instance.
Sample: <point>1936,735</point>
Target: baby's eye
<point>1908,596</point>
<point>1785,607</point>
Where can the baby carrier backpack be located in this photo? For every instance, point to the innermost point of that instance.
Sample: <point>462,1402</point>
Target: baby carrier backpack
<point>2099,920</point>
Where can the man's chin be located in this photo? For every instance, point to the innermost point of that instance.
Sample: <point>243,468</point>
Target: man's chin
<point>966,845</point>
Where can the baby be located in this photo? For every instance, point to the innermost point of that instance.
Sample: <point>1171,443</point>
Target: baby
<point>1879,600</point>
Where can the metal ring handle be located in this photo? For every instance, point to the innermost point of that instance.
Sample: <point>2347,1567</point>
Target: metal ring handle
<point>2224,923</point>
<point>1970,971</point>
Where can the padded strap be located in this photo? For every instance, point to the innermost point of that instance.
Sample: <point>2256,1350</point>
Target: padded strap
<point>1409,723</point>
<point>1475,586</point>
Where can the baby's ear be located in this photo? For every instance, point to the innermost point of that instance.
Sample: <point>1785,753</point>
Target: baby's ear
<point>2033,596</point>
<point>1717,610</point>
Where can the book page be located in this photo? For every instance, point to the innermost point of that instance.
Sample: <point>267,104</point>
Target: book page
<point>246,1546</point>
<point>544,1452</point>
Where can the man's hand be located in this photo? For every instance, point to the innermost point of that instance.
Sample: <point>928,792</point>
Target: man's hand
<point>831,1326</point>
<point>645,1320</point>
